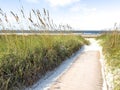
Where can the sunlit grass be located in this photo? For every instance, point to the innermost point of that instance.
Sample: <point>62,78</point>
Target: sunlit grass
<point>23,62</point>
<point>111,50</point>
<point>26,58</point>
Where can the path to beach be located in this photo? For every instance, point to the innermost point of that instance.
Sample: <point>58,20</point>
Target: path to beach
<point>84,72</point>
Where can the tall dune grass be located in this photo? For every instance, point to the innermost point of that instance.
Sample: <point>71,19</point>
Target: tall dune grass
<point>26,58</point>
<point>22,63</point>
<point>111,50</point>
<point>34,20</point>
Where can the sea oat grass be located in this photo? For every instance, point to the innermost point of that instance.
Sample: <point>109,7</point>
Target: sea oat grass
<point>26,58</point>
<point>111,49</point>
<point>29,59</point>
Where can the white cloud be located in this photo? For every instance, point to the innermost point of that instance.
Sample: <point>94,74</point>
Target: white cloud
<point>33,1</point>
<point>55,3</point>
<point>75,8</point>
<point>82,9</point>
<point>92,21</point>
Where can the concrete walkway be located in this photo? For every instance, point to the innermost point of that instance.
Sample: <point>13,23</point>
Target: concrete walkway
<point>84,74</point>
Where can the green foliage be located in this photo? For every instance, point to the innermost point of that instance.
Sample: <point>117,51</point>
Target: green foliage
<point>25,59</point>
<point>111,50</point>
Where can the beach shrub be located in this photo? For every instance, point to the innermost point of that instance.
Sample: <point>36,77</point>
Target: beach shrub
<point>25,59</point>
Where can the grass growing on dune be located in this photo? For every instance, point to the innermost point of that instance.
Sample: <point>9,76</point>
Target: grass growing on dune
<point>23,62</point>
<point>111,50</point>
<point>26,58</point>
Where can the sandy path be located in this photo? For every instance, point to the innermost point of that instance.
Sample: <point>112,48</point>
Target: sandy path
<point>84,74</point>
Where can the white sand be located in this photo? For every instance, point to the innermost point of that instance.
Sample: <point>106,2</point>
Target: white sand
<point>84,74</point>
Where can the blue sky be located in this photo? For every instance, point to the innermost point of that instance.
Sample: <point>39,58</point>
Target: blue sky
<point>80,14</point>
